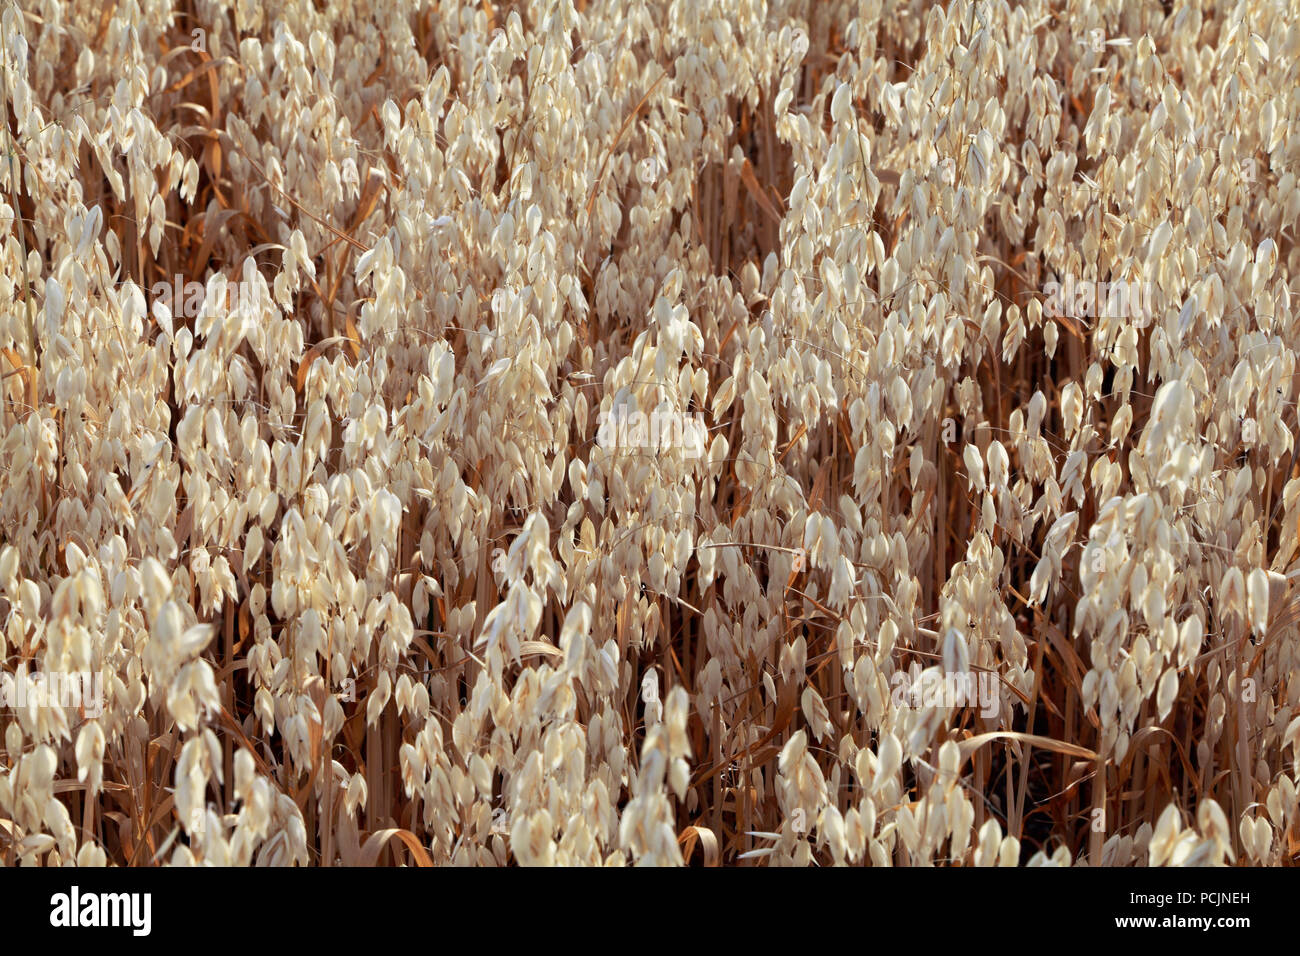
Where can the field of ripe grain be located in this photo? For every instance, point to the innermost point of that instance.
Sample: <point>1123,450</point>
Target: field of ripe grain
<point>670,432</point>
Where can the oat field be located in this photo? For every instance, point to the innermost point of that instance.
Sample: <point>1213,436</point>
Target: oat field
<point>652,432</point>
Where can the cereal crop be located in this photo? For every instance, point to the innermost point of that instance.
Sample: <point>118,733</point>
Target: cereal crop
<point>652,432</point>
